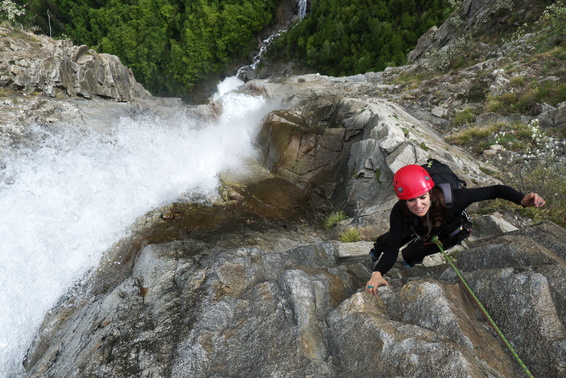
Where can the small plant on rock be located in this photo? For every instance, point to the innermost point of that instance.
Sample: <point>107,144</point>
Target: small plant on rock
<point>533,162</point>
<point>464,117</point>
<point>334,218</point>
<point>351,235</point>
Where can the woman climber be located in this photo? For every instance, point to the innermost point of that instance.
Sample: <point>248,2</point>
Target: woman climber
<point>422,212</point>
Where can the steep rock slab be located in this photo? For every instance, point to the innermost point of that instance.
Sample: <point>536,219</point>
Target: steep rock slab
<point>191,309</point>
<point>342,150</point>
<point>371,336</point>
<point>243,312</point>
<point>520,279</point>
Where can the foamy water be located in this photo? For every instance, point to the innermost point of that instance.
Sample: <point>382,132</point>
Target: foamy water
<point>63,205</point>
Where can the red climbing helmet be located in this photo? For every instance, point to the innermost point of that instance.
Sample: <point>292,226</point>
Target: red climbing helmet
<point>412,181</point>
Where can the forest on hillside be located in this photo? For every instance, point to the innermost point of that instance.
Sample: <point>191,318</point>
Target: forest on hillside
<point>172,45</point>
<point>341,38</point>
<point>169,44</point>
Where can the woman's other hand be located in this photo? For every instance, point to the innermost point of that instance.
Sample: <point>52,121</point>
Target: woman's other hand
<point>533,199</point>
<point>374,282</point>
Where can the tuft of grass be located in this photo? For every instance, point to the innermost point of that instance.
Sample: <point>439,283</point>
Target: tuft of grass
<point>526,96</point>
<point>493,105</point>
<point>410,79</point>
<point>350,235</point>
<point>5,91</point>
<point>378,175</point>
<point>424,146</point>
<point>334,218</point>
<point>470,136</point>
<point>488,171</point>
<point>464,117</point>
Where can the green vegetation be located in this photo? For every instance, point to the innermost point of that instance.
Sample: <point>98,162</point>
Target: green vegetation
<point>9,10</point>
<point>525,95</point>
<point>464,117</point>
<point>527,160</point>
<point>169,44</point>
<point>469,135</point>
<point>544,176</point>
<point>340,39</point>
<point>452,57</point>
<point>533,165</point>
<point>350,235</point>
<point>4,91</point>
<point>172,45</point>
<point>334,218</point>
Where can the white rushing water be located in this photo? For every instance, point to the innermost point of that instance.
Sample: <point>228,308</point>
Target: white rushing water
<point>302,9</point>
<point>266,43</point>
<point>63,205</point>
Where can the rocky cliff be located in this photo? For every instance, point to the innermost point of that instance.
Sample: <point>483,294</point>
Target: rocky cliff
<point>189,308</point>
<point>252,286</point>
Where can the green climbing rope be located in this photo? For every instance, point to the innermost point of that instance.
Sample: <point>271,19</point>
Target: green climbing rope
<point>482,308</point>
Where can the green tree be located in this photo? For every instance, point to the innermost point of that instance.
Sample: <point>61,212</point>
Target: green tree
<point>169,44</point>
<point>345,38</point>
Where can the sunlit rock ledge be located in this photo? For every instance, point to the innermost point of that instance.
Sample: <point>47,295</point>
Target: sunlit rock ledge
<point>36,63</point>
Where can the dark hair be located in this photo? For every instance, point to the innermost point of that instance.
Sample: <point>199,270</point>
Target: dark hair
<point>437,205</point>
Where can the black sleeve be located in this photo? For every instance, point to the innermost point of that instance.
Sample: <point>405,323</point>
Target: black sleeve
<point>397,226</point>
<point>464,197</point>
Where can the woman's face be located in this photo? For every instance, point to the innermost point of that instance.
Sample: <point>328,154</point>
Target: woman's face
<point>419,205</point>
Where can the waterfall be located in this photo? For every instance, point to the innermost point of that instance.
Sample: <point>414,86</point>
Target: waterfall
<point>257,58</point>
<point>301,13</point>
<point>302,9</point>
<point>67,202</point>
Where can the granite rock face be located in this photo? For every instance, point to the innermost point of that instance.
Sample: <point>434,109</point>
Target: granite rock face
<point>191,309</point>
<point>37,63</point>
<point>343,148</point>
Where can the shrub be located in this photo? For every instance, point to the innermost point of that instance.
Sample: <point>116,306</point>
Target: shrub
<point>440,60</point>
<point>478,91</point>
<point>545,177</point>
<point>534,166</point>
<point>350,235</point>
<point>464,117</point>
<point>554,18</point>
<point>9,10</point>
<point>334,218</point>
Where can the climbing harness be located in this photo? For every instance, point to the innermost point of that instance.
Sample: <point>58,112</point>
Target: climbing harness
<point>438,243</point>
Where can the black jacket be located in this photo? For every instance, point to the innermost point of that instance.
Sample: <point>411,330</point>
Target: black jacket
<point>400,222</point>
